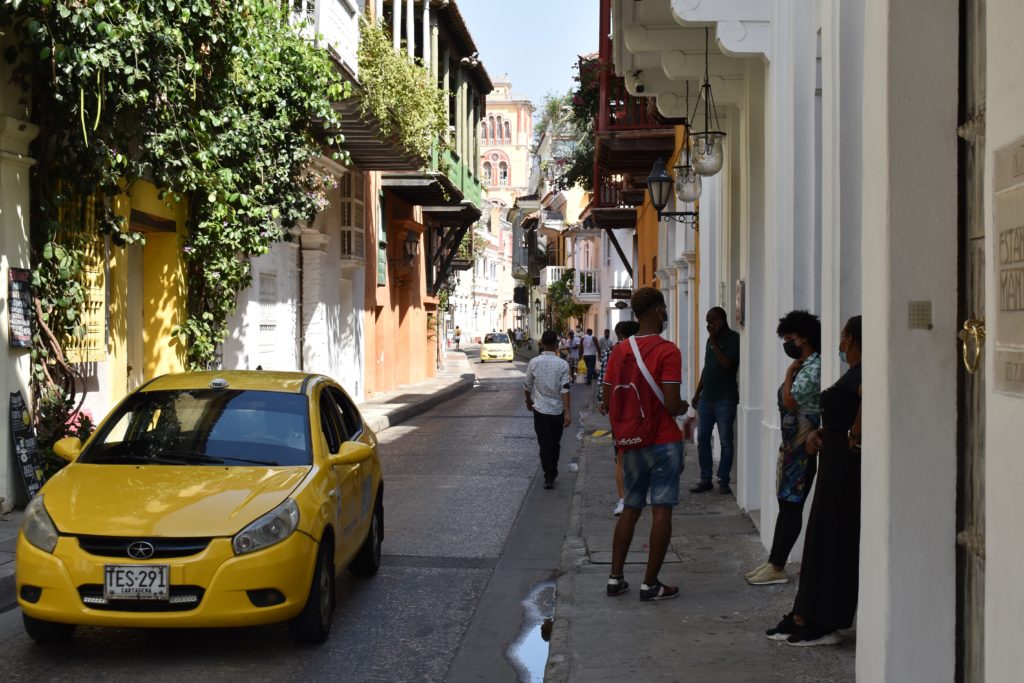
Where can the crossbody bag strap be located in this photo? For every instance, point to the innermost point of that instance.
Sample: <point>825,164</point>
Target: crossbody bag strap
<point>645,372</point>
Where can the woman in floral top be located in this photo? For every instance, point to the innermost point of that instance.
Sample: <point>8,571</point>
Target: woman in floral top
<point>800,413</point>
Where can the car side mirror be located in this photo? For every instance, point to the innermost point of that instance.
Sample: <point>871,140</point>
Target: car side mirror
<point>68,448</point>
<point>351,453</point>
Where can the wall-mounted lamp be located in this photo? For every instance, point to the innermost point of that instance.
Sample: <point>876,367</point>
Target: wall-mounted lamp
<point>537,305</point>
<point>660,185</point>
<point>411,246</point>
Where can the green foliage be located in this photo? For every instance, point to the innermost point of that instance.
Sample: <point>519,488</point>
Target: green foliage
<point>562,305</point>
<point>222,105</point>
<point>400,93</point>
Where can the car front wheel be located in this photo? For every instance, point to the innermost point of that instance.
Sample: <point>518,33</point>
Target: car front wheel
<point>313,624</point>
<point>47,631</point>
<point>367,561</point>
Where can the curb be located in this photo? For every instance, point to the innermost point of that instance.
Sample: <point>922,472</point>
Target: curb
<point>379,423</point>
<point>574,554</point>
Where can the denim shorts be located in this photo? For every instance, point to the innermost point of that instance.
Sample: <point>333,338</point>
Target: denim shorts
<point>656,469</point>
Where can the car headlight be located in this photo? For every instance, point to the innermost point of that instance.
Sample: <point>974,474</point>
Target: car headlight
<point>268,530</point>
<point>37,526</point>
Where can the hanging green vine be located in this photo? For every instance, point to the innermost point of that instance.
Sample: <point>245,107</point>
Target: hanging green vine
<point>400,93</point>
<point>221,104</point>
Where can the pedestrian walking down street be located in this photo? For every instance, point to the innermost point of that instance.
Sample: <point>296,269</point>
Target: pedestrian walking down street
<point>800,416</point>
<point>458,335</point>
<point>829,571</point>
<point>547,397</point>
<point>590,356</point>
<point>715,400</point>
<point>623,331</point>
<point>572,349</point>
<point>642,382</point>
<point>605,343</point>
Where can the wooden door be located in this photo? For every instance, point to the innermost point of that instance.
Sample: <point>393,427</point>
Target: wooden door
<point>970,540</point>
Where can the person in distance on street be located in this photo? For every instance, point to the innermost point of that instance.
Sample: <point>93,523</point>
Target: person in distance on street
<point>800,415</point>
<point>547,397</point>
<point>641,385</point>
<point>715,400</point>
<point>589,344</point>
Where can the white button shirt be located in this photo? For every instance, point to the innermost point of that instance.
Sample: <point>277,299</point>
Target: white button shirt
<point>547,379</point>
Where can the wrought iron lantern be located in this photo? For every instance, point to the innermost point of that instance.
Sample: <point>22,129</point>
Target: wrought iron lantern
<point>708,145</point>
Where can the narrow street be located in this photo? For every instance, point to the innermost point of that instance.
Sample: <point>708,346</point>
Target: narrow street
<point>469,533</point>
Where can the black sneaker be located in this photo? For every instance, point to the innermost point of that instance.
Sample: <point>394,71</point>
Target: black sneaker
<point>784,629</point>
<point>702,487</point>
<point>724,489</point>
<point>658,591</point>
<point>617,586</point>
<point>549,483</point>
<point>810,635</point>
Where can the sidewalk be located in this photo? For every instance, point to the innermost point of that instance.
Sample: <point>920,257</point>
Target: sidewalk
<point>380,412</point>
<point>713,632</point>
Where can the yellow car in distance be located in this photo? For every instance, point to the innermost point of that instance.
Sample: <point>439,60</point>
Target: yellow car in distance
<point>206,499</point>
<point>496,346</point>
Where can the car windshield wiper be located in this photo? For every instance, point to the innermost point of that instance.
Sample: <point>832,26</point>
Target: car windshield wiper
<point>132,459</point>
<point>269,463</point>
<point>196,456</point>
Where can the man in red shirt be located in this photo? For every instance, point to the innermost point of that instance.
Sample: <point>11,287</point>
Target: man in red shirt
<point>655,468</point>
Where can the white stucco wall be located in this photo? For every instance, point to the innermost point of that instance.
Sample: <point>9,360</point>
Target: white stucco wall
<point>906,619</point>
<point>1004,479</point>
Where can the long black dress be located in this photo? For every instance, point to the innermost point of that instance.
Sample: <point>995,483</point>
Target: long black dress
<point>829,573</point>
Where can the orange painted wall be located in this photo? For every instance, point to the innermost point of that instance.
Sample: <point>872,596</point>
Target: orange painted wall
<point>400,344</point>
<point>647,244</point>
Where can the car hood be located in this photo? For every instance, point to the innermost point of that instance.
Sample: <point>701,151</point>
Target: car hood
<point>160,500</point>
<point>498,347</point>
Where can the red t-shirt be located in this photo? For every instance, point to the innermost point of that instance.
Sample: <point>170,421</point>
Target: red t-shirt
<point>664,362</point>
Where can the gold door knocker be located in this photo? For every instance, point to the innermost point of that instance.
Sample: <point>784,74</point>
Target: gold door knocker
<point>973,330</point>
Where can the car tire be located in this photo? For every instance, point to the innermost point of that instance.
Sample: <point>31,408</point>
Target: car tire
<point>367,560</point>
<point>47,631</point>
<point>313,624</point>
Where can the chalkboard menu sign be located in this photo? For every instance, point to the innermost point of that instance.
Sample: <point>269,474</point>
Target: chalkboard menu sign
<point>19,304</point>
<point>26,448</point>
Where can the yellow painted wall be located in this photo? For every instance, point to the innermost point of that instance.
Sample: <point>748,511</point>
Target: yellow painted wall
<point>162,296</point>
<point>647,244</point>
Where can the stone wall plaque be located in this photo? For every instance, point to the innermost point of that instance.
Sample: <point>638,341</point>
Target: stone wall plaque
<point>1009,267</point>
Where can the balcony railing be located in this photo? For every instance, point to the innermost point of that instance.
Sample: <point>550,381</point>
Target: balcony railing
<point>587,284</point>
<point>337,21</point>
<point>551,275</point>
<point>622,111</point>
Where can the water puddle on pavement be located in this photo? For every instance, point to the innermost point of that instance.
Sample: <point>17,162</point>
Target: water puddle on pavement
<point>529,652</point>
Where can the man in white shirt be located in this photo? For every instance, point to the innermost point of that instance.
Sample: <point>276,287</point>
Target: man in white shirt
<point>547,397</point>
<point>590,355</point>
<point>605,343</point>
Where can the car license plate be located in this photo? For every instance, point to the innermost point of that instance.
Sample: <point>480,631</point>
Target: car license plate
<point>136,582</point>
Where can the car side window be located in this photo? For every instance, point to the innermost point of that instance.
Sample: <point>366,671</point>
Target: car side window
<point>349,413</point>
<point>330,423</point>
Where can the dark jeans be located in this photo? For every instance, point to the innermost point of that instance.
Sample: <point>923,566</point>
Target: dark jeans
<point>549,438</point>
<point>591,362</point>
<point>709,414</point>
<point>787,530</point>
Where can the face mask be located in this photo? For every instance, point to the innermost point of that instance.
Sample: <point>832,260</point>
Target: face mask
<point>842,357</point>
<point>664,322</point>
<point>792,349</point>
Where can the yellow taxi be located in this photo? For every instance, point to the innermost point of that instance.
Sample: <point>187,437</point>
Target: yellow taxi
<point>496,346</point>
<point>206,499</point>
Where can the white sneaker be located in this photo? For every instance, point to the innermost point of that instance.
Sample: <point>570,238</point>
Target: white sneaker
<point>619,507</point>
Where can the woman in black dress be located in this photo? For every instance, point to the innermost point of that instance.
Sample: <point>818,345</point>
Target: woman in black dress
<point>827,598</point>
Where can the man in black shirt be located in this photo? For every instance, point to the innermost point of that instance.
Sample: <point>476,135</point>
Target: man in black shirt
<point>715,400</point>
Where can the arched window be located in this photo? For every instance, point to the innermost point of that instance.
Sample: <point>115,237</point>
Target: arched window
<point>483,131</point>
<point>493,135</point>
<point>503,174</point>
<point>487,172</point>
<point>501,130</point>
<point>508,133</point>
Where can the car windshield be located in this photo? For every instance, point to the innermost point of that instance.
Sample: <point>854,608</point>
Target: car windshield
<point>205,427</point>
<point>496,339</point>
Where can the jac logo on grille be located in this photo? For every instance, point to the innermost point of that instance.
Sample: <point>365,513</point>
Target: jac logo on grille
<point>141,550</point>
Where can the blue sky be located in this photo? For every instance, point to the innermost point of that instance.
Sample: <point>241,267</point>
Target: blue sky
<point>534,41</point>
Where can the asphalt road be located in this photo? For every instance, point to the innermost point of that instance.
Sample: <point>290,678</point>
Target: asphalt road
<point>469,536</point>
